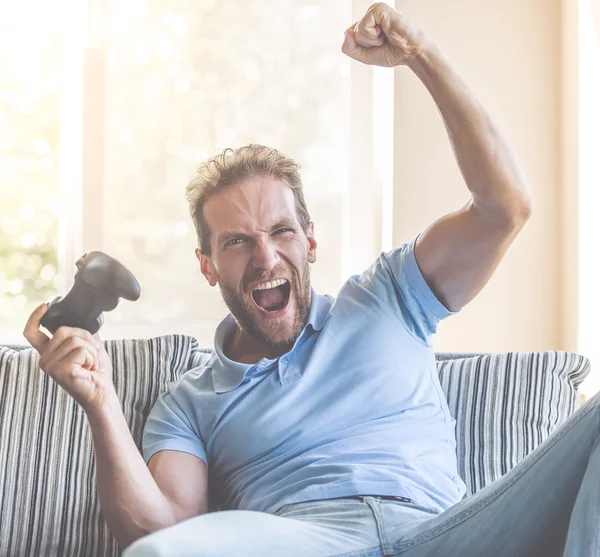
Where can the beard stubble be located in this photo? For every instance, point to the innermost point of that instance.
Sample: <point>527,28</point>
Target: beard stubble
<point>300,287</point>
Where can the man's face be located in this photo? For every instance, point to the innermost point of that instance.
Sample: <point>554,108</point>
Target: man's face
<point>260,258</point>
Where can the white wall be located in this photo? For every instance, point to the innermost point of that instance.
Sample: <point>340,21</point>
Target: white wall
<point>509,54</point>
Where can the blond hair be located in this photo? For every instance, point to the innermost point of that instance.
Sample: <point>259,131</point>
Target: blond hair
<point>232,167</point>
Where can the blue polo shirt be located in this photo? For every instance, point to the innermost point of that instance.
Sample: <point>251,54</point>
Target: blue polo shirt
<point>355,407</point>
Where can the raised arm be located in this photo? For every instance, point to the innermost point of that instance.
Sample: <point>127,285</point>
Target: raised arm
<point>459,252</point>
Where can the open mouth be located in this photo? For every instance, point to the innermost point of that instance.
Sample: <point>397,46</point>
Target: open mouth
<point>272,296</point>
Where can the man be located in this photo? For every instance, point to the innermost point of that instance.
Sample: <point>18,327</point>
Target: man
<point>321,421</point>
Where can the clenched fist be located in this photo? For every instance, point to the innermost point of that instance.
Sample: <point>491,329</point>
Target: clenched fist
<point>383,37</point>
<point>75,359</point>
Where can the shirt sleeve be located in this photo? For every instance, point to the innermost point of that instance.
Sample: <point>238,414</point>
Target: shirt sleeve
<point>396,280</point>
<point>168,428</point>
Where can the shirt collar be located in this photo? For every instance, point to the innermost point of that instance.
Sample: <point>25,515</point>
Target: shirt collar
<point>228,374</point>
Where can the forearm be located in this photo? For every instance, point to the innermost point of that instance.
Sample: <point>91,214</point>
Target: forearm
<point>488,165</point>
<point>131,501</point>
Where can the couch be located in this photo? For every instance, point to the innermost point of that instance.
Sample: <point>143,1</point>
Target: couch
<point>504,405</point>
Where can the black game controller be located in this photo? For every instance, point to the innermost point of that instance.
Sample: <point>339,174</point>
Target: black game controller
<point>99,283</point>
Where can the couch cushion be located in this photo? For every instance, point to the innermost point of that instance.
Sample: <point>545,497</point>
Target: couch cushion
<point>48,499</point>
<point>505,405</point>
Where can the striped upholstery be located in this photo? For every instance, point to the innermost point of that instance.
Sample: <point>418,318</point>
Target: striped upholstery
<point>48,502</point>
<point>504,406</point>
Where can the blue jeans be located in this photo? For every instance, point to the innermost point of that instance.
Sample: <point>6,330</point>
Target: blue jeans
<point>547,506</point>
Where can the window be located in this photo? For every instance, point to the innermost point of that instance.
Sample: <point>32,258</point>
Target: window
<point>154,88</point>
<point>30,158</point>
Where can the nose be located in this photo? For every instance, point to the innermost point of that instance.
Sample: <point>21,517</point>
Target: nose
<point>264,256</point>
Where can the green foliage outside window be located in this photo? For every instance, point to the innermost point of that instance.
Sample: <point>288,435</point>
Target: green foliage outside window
<point>30,99</point>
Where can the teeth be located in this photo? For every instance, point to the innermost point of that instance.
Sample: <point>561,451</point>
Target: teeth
<point>271,284</point>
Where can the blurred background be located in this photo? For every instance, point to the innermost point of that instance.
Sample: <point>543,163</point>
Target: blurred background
<point>107,108</point>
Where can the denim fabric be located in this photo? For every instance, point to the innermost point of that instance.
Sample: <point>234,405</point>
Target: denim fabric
<point>547,506</point>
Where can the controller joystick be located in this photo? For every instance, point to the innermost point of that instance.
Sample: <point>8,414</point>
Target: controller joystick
<point>100,281</point>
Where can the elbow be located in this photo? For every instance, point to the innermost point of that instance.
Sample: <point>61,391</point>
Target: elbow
<point>126,537</point>
<point>525,208</point>
<point>513,212</point>
<point>125,540</point>
<point>521,212</point>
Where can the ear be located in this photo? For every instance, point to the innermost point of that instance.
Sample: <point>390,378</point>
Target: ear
<point>312,243</point>
<point>207,267</point>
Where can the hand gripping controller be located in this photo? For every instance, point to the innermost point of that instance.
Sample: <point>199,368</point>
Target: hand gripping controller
<point>99,283</point>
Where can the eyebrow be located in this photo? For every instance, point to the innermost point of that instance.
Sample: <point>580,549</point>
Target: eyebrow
<point>229,234</point>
